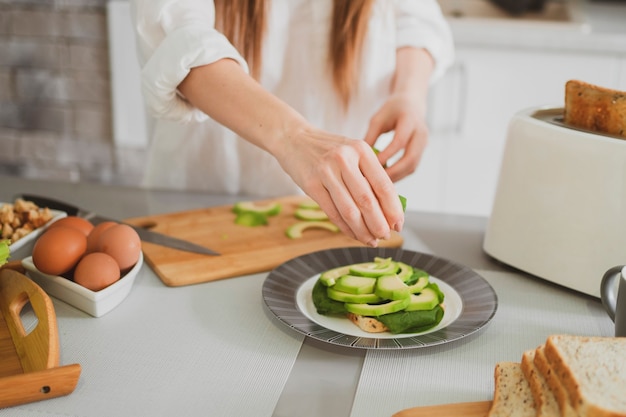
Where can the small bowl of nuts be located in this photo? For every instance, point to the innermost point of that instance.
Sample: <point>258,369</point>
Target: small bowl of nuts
<point>22,221</point>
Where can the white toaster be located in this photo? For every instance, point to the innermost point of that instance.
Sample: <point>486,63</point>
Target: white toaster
<point>560,207</point>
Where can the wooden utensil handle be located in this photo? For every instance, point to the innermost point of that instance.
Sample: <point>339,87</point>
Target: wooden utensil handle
<point>37,386</point>
<point>469,409</point>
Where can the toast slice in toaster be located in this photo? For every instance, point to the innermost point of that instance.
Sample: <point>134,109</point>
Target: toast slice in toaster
<point>595,108</point>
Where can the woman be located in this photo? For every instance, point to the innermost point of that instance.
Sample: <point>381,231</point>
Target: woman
<point>270,97</point>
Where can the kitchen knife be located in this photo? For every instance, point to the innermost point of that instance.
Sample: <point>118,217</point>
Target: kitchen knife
<point>144,234</point>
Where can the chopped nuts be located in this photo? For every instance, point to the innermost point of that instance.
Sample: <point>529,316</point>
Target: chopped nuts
<point>19,219</point>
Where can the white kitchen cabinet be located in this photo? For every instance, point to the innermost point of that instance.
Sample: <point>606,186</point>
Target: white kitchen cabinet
<point>470,109</point>
<point>622,79</point>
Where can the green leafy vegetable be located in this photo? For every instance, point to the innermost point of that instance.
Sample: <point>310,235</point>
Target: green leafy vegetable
<point>4,251</point>
<point>412,321</point>
<point>417,274</point>
<point>402,201</point>
<point>323,303</point>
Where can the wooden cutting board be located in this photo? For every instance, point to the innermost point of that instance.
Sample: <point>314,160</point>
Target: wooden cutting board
<point>471,409</point>
<point>243,250</point>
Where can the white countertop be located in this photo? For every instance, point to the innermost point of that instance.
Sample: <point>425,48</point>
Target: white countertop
<point>212,349</point>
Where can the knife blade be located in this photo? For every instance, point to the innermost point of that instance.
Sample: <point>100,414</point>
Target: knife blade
<point>144,234</point>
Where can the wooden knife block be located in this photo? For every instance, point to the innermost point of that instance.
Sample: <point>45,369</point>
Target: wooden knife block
<point>29,362</point>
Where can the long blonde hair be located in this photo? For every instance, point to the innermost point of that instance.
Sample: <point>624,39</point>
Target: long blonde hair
<point>244,23</point>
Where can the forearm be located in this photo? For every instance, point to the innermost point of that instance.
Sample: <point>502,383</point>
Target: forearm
<point>414,68</point>
<point>225,92</point>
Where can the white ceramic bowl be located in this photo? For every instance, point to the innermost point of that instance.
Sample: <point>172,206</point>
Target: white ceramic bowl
<point>96,303</point>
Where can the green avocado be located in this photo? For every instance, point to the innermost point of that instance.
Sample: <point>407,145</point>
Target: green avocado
<point>329,278</point>
<point>333,294</point>
<point>374,269</point>
<point>426,300</point>
<point>418,286</point>
<point>405,271</point>
<point>295,230</point>
<point>251,219</point>
<point>310,214</point>
<point>391,287</point>
<point>268,209</point>
<point>375,310</point>
<point>353,284</point>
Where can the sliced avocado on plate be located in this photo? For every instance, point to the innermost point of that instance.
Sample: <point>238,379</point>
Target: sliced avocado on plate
<point>353,284</point>
<point>375,310</point>
<point>336,295</point>
<point>329,277</point>
<point>375,269</point>
<point>391,287</point>
<point>426,300</point>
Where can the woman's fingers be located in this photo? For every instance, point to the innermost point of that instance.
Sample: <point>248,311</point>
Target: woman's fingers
<point>357,194</point>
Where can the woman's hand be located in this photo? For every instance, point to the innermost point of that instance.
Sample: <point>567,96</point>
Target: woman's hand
<point>404,113</point>
<point>347,180</point>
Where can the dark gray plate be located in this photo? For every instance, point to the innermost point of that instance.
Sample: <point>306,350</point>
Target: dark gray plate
<point>470,301</point>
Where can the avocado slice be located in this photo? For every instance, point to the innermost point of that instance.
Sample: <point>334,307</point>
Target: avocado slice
<point>426,300</point>
<point>391,287</point>
<point>333,294</point>
<point>268,209</point>
<point>374,310</point>
<point>251,219</point>
<point>374,269</point>
<point>329,278</point>
<point>405,271</point>
<point>418,286</point>
<point>310,214</point>
<point>295,230</point>
<point>309,204</point>
<point>353,284</point>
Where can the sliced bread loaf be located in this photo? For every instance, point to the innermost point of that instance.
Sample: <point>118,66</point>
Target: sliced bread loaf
<point>552,380</point>
<point>545,401</point>
<point>592,371</point>
<point>512,396</point>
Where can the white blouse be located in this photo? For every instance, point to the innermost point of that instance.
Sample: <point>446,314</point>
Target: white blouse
<point>189,150</point>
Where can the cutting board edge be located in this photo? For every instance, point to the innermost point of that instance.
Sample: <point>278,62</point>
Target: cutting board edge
<point>465,409</point>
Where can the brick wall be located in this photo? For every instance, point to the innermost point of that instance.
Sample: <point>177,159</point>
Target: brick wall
<point>55,117</point>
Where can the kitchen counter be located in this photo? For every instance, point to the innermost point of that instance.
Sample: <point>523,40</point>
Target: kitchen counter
<point>599,29</point>
<point>189,350</point>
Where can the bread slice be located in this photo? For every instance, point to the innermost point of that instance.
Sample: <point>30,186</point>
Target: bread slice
<point>512,396</point>
<point>592,371</point>
<point>545,401</point>
<point>562,397</point>
<point>595,108</point>
<point>368,324</point>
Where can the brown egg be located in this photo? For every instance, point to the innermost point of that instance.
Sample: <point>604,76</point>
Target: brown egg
<point>122,243</point>
<point>96,271</point>
<point>74,222</point>
<point>59,249</point>
<point>94,236</point>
